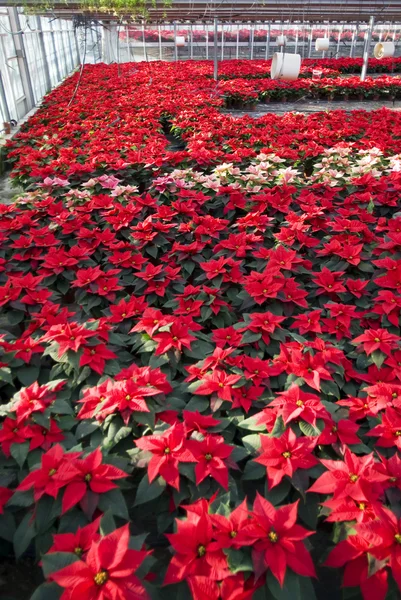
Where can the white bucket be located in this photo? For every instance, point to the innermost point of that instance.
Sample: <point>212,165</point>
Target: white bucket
<point>316,74</point>
<point>384,50</point>
<point>180,40</point>
<point>281,40</point>
<point>322,44</point>
<point>285,66</point>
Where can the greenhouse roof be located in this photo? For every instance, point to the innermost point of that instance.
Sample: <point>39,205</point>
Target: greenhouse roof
<point>247,10</point>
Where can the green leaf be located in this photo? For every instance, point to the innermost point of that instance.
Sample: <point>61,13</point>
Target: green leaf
<point>239,560</point>
<point>28,375</point>
<point>149,491</point>
<point>19,452</point>
<point>279,492</point>
<point>253,470</point>
<point>250,425</point>
<point>5,375</point>
<point>7,526</point>
<point>249,337</point>
<point>278,428</point>
<point>378,358</point>
<point>295,587</point>
<point>24,534</point>
<point>47,591</point>
<point>55,561</point>
<point>115,502</point>
<point>252,443</point>
<point>308,429</point>
<point>199,350</point>
<point>107,523</point>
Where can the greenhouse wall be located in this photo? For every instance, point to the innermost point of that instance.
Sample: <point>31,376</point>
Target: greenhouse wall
<point>36,53</point>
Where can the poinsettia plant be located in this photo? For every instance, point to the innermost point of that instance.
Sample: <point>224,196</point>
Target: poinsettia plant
<point>200,346</point>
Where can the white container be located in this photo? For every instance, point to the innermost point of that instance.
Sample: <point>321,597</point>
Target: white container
<point>384,50</point>
<point>316,74</point>
<point>180,41</point>
<point>285,66</point>
<point>322,44</point>
<point>281,40</point>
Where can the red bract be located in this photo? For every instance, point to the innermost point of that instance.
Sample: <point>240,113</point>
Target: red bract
<point>107,573</point>
<point>278,540</point>
<point>210,456</point>
<point>377,339</point>
<point>285,455</point>
<point>81,475</point>
<point>196,552</point>
<point>356,477</point>
<point>168,450</point>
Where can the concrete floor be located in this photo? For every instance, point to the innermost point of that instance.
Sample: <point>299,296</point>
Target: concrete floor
<point>7,193</point>
<point>312,106</point>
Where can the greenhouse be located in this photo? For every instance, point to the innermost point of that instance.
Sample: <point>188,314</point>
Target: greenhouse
<point>200,300</point>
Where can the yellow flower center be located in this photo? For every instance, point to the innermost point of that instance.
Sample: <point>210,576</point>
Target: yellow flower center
<point>334,429</point>
<point>377,340</point>
<point>52,472</point>
<point>78,551</point>
<point>353,477</point>
<point>201,550</point>
<point>273,537</point>
<point>286,454</point>
<point>167,450</point>
<point>299,403</point>
<point>233,534</point>
<point>397,538</point>
<point>208,456</point>
<point>101,578</point>
<point>88,477</point>
<point>361,506</point>
<point>398,433</point>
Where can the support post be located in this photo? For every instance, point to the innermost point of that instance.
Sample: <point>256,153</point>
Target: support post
<point>160,42</point>
<point>296,41</point>
<point>175,43</point>
<point>215,69</point>
<point>222,42</point>
<point>43,52</point>
<point>144,42</point>
<point>251,39</point>
<point>3,96</point>
<point>191,43</point>
<point>237,46</point>
<point>21,57</point>
<point>340,31</point>
<point>109,44</point>
<point>367,48</point>
<point>310,41</point>
<point>268,41</point>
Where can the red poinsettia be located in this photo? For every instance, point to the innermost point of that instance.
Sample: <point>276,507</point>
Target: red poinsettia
<point>107,572</point>
<point>278,540</point>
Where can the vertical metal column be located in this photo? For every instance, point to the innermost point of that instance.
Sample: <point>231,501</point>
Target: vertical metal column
<point>340,31</point>
<point>70,48</point>
<point>237,46</point>
<point>222,42</point>
<point>77,46</point>
<point>310,41</point>
<point>55,53</point>
<point>3,96</point>
<point>207,42</point>
<point>251,40</point>
<point>215,68</point>
<point>43,52</point>
<point>354,40</point>
<point>191,42</point>
<point>160,42</point>
<point>367,48</point>
<point>296,40</point>
<point>268,41</point>
<point>144,42</point>
<point>21,57</point>
<point>175,43</point>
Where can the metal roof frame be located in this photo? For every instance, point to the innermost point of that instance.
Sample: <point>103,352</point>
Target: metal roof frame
<point>293,11</point>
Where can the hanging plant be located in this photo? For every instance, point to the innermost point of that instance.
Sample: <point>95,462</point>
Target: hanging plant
<point>129,9</point>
